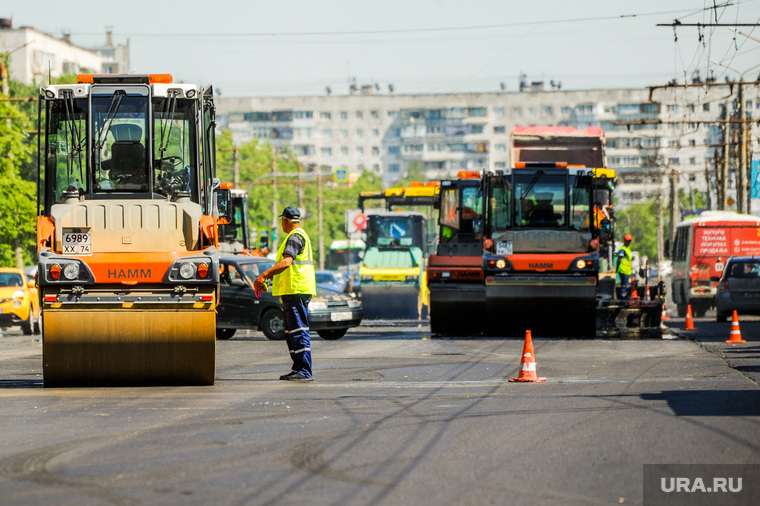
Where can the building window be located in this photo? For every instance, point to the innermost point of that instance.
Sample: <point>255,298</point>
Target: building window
<point>692,142</point>
<point>375,150</point>
<point>327,133</point>
<point>374,114</point>
<point>325,115</point>
<point>344,134</point>
<point>674,161</point>
<point>693,160</point>
<point>706,107</point>
<point>672,108</point>
<point>500,148</point>
<point>475,129</point>
<point>501,129</point>
<point>344,150</point>
<point>394,167</point>
<point>517,112</point>
<point>375,132</point>
<point>359,150</point>
<point>500,165</point>
<point>303,114</point>
<point>394,150</point>
<point>343,115</point>
<point>498,112</point>
<point>692,178</point>
<point>359,115</point>
<point>359,133</point>
<point>392,114</point>
<point>548,111</point>
<point>476,111</point>
<point>327,151</point>
<point>533,111</point>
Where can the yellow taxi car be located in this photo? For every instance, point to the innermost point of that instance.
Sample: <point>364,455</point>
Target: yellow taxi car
<point>19,303</point>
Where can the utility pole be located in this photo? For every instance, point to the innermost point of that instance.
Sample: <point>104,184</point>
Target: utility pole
<point>319,213</point>
<point>740,174</point>
<point>660,233</point>
<point>235,167</point>
<point>275,221</point>
<point>726,161</point>
<point>743,159</point>
<point>674,207</point>
<point>708,179</point>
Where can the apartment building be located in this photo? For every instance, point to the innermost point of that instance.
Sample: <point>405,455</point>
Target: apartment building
<point>35,56</point>
<point>672,130</point>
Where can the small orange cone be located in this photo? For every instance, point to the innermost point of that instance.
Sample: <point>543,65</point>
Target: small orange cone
<point>689,324</point>
<point>528,362</point>
<point>647,297</point>
<point>634,292</point>
<point>664,315</point>
<point>736,334</point>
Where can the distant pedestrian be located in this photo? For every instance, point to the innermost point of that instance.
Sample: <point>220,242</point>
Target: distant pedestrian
<point>294,282</point>
<point>625,266</point>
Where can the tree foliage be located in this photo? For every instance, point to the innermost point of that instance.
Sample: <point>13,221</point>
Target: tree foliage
<point>255,161</point>
<point>639,220</point>
<point>18,175</point>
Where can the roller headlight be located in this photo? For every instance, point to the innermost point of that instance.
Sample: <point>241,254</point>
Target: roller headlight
<point>187,270</point>
<point>500,263</point>
<point>71,271</point>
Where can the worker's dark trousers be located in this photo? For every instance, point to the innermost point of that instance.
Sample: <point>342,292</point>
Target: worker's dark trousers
<point>296,309</point>
<point>625,285</point>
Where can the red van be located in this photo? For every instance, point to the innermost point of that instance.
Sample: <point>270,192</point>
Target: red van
<point>701,248</point>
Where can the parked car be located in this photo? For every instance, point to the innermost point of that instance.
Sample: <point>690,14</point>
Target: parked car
<point>331,313</point>
<point>19,302</point>
<point>331,280</point>
<point>738,288</point>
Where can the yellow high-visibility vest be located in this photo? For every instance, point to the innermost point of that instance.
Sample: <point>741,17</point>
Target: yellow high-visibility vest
<point>299,277</point>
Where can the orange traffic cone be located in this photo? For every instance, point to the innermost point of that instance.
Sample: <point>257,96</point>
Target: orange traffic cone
<point>689,323</point>
<point>736,334</point>
<point>647,296</point>
<point>528,362</point>
<point>634,292</point>
<point>664,315</point>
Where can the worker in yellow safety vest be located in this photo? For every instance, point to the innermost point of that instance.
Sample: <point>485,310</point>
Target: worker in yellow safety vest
<point>294,282</point>
<point>625,266</point>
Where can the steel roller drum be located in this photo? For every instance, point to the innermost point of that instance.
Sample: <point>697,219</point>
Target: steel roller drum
<point>391,301</point>
<point>135,347</point>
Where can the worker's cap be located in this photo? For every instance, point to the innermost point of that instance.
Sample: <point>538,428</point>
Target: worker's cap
<point>291,213</point>
<point>628,237</point>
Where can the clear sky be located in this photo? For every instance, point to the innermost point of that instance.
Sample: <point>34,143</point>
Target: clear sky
<point>300,47</point>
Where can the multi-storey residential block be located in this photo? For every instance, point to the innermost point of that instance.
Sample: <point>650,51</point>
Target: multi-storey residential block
<point>674,131</point>
<point>35,56</point>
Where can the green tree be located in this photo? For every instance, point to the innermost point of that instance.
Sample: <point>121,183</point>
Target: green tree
<point>255,161</point>
<point>17,173</point>
<point>639,220</point>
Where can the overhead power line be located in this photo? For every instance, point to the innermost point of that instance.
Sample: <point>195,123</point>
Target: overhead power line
<point>404,30</point>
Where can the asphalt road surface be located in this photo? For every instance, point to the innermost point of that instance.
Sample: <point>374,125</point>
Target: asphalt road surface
<point>395,416</point>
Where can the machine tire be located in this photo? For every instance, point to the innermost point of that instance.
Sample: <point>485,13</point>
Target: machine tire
<point>38,325</point>
<point>332,334</point>
<point>273,325</point>
<point>28,326</point>
<point>225,333</point>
